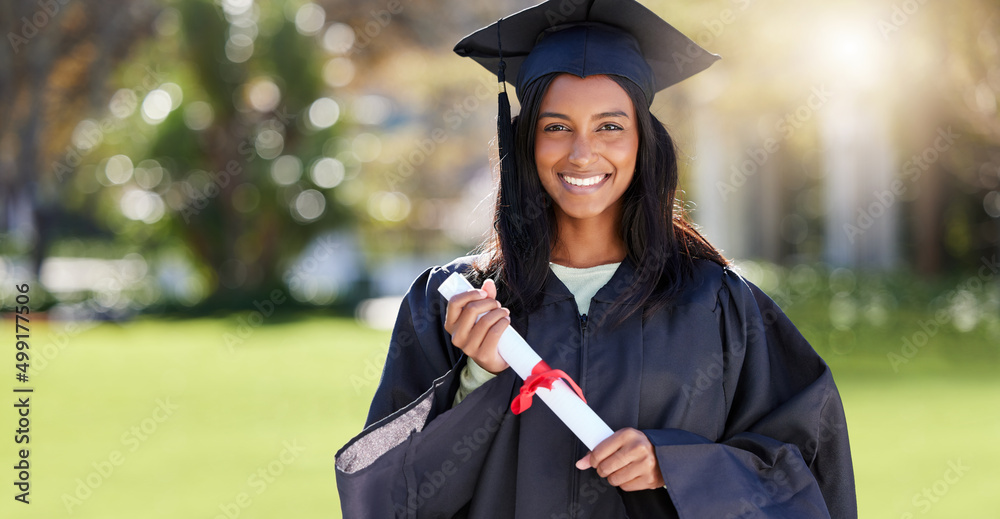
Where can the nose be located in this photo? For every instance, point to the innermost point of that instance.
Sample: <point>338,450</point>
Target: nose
<point>584,152</point>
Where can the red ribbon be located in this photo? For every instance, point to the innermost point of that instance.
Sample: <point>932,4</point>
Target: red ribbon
<point>541,376</point>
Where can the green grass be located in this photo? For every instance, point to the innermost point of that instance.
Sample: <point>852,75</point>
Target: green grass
<point>905,432</point>
<point>303,382</point>
<point>309,382</point>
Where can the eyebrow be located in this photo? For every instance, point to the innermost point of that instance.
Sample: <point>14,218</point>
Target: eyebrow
<point>602,115</point>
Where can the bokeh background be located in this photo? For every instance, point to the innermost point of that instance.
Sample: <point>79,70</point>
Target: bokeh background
<point>217,205</point>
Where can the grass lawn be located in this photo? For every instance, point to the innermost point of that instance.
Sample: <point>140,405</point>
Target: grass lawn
<point>163,418</point>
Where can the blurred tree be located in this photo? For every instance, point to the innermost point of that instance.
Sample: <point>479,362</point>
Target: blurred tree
<point>947,72</point>
<point>218,142</point>
<point>249,147</point>
<point>54,69</point>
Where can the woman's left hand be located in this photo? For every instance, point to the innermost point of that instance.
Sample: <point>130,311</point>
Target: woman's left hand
<point>627,459</point>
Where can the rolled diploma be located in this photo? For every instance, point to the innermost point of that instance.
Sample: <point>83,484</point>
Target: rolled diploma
<point>565,403</point>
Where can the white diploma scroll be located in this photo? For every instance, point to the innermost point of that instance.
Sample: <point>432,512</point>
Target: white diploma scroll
<point>561,399</point>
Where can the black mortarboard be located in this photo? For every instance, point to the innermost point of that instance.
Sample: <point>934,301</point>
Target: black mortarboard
<point>585,38</point>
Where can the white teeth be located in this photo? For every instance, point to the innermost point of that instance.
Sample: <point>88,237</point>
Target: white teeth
<point>583,182</point>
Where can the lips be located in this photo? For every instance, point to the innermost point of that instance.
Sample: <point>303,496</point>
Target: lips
<point>585,181</point>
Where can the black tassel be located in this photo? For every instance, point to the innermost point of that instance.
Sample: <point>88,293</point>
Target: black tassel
<point>505,130</point>
<point>510,187</point>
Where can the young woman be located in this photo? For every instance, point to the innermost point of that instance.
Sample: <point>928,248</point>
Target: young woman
<point>720,407</point>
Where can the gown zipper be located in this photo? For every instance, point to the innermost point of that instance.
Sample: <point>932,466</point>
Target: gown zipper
<point>575,488</point>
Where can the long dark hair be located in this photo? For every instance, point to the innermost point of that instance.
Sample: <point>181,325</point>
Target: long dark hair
<point>660,243</point>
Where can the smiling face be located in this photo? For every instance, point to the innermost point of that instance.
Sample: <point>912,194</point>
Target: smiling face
<point>586,142</point>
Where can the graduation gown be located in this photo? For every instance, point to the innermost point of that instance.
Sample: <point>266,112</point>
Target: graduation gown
<point>743,414</point>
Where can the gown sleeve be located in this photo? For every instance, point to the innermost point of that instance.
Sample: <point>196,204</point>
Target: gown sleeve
<point>419,349</point>
<point>418,456</point>
<point>784,451</point>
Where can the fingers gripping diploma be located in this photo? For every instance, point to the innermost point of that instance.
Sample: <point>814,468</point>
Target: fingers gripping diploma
<point>627,459</point>
<point>478,338</point>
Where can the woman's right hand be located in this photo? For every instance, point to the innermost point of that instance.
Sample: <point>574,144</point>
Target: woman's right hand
<point>479,339</point>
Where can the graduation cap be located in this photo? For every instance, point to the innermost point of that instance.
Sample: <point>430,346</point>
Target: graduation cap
<point>585,38</point>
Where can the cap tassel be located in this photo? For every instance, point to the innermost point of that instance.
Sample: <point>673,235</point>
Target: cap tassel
<point>505,130</point>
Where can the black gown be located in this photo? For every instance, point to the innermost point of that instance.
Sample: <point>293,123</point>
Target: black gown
<point>744,415</point>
